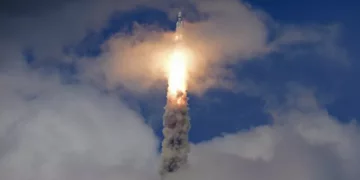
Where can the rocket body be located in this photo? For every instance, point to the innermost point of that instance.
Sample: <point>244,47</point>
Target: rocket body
<point>179,22</point>
<point>179,27</point>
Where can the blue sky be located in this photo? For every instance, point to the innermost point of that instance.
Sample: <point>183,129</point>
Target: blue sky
<point>324,75</point>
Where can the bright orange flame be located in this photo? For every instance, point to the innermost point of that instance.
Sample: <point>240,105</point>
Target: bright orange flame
<point>177,72</point>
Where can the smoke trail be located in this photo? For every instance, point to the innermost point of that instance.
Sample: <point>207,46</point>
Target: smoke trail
<point>175,145</point>
<point>176,120</point>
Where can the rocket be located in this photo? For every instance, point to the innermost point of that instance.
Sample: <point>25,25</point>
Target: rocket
<point>179,27</point>
<point>176,122</point>
<point>179,23</point>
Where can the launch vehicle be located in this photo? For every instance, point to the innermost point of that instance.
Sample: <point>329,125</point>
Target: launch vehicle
<point>179,27</point>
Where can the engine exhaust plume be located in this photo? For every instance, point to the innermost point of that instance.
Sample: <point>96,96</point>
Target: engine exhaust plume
<point>176,121</point>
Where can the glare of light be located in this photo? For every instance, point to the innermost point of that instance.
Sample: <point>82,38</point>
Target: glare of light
<point>177,72</point>
<point>178,37</point>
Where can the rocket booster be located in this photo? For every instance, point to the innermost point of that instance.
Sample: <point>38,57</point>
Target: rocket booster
<point>179,26</point>
<point>179,23</point>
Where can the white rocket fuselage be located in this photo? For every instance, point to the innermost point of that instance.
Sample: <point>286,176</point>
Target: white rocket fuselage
<point>179,22</point>
<point>179,27</point>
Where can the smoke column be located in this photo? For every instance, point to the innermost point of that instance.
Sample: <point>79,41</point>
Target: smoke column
<point>175,146</point>
<point>176,120</point>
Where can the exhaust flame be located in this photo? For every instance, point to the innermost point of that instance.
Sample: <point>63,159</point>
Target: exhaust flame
<point>177,72</point>
<point>176,120</point>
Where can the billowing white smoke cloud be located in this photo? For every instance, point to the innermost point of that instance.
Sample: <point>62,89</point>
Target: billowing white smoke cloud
<point>54,131</point>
